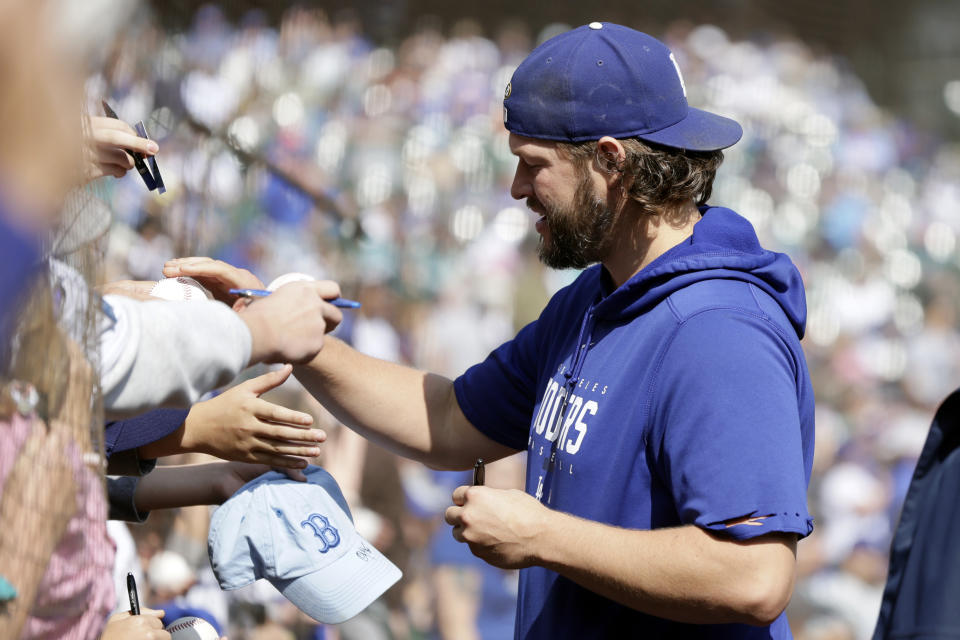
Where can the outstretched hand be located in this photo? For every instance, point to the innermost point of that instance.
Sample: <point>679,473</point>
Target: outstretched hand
<point>230,476</point>
<point>239,425</point>
<point>106,151</point>
<point>216,275</point>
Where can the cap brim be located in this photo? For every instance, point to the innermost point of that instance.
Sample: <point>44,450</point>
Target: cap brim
<point>343,589</point>
<point>699,131</point>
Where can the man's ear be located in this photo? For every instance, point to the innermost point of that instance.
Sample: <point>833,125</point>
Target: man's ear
<point>610,155</point>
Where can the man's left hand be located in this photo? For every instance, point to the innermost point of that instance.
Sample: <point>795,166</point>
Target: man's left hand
<point>500,526</point>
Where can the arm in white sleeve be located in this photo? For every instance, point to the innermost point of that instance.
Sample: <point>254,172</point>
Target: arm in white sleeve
<point>167,353</point>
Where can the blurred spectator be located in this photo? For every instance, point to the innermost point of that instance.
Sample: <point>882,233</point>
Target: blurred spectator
<point>170,579</point>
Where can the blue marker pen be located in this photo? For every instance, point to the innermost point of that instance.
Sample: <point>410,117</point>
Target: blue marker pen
<point>343,303</point>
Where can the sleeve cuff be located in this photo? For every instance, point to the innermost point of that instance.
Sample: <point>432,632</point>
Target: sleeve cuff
<point>120,493</point>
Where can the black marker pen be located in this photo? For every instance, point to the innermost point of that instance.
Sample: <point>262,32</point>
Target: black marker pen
<point>137,157</point>
<point>132,592</point>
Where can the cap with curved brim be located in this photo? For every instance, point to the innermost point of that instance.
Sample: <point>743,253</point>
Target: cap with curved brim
<point>699,131</point>
<point>343,589</point>
<point>605,79</point>
<point>300,537</point>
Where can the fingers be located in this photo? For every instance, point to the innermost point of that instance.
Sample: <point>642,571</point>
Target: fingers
<point>99,124</point>
<point>146,626</point>
<point>290,324</point>
<point>293,474</point>
<point>326,289</point>
<point>270,380</point>
<point>454,516</point>
<point>269,412</point>
<point>179,262</point>
<point>278,461</point>
<point>216,275</point>
<point>460,495</point>
<point>283,448</point>
<point>119,615</point>
<point>332,317</point>
<point>114,158</point>
<point>213,269</point>
<point>109,132</point>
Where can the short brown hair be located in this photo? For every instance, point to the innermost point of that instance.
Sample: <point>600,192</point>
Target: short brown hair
<point>655,176</point>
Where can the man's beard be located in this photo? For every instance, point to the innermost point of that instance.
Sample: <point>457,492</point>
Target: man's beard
<point>579,233</point>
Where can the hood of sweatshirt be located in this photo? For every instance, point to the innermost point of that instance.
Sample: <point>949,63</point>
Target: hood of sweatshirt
<point>723,246</point>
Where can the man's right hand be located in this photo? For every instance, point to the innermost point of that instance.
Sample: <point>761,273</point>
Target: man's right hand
<point>289,324</point>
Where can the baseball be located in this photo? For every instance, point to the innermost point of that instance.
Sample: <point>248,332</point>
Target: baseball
<point>192,628</point>
<point>288,278</point>
<point>182,288</point>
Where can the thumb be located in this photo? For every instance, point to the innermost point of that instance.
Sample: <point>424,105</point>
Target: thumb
<point>157,613</point>
<point>269,380</point>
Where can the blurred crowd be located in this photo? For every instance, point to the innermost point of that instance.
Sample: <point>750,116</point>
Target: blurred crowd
<point>306,147</point>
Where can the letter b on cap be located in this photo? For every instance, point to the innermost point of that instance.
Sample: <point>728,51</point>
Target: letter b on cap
<point>323,530</point>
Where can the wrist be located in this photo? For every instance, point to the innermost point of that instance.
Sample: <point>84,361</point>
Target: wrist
<point>546,527</point>
<point>259,330</point>
<point>189,440</point>
<point>219,484</point>
<point>331,347</point>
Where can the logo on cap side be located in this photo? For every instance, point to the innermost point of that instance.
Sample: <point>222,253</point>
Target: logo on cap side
<point>364,552</point>
<point>683,85</point>
<point>327,534</point>
<point>508,90</point>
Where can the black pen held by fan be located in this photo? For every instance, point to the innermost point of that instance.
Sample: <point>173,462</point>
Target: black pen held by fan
<point>151,179</point>
<point>132,593</point>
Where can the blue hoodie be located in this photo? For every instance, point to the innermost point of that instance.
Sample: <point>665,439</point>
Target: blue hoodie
<point>681,397</point>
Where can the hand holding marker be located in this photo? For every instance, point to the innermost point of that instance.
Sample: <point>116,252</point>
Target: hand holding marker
<point>151,176</point>
<point>343,303</point>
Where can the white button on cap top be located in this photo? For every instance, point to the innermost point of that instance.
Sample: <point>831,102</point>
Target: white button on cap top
<point>596,25</point>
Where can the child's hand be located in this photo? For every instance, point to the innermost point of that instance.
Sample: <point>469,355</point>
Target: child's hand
<point>230,476</point>
<point>238,425</point>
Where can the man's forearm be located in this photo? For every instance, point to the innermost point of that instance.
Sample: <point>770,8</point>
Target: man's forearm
<point>682,573</point>
<point>412,413</point>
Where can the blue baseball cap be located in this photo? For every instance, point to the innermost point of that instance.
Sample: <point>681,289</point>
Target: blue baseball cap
<point>604,79</point>
<point>299,536</point>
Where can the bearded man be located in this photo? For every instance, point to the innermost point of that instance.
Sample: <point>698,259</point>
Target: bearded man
<point>662,398</point>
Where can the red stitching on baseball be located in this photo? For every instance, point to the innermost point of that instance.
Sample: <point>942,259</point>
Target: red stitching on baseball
<point>180,626</point>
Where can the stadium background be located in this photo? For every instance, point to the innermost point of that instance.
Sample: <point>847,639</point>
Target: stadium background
<point>362,141</point>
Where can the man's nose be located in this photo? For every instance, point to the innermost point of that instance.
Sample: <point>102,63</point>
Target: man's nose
<point>521,187</point>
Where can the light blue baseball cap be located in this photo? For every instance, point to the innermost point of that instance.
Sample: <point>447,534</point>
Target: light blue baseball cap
<point>299,536</point>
